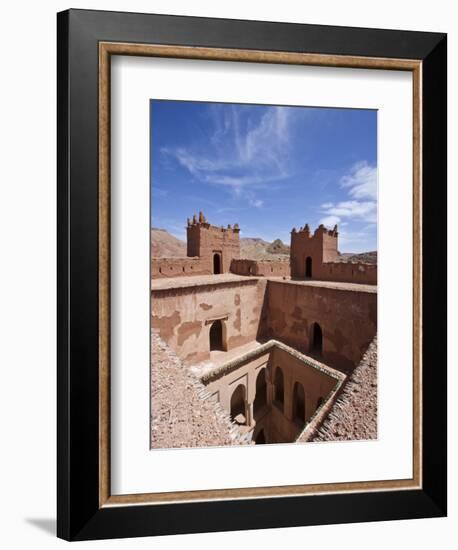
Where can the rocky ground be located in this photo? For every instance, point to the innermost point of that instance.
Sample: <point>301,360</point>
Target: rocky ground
<point>363,257</point>
<point>181,413</point>
<point>354,414</point>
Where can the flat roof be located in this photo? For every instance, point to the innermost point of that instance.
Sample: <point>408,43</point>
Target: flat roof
<point>199,280</point>
<point>336,285</point>
<point>169,283</point>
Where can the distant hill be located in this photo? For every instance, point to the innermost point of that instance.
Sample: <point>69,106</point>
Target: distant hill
<point>165,245</point>
<point>278,247</point>
<point>364,257</point>
<point>252,248</point>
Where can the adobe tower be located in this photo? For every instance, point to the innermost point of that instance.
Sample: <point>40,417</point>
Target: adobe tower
<point>309,252</point>
<point>216,246</point>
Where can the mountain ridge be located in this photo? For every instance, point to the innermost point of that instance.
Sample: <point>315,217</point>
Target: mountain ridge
<point>166,245</point>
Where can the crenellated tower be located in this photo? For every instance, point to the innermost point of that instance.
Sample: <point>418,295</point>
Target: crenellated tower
<point>309,251</point>
<point>216,246</point>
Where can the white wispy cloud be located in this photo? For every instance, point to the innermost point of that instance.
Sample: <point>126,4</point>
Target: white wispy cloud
<point>366,211</point>
<point>244,150</point>
<point>257,203</point>
<point>361,183</point>
<point>330,221</point>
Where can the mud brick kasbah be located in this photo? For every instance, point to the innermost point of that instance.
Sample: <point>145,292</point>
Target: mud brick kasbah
<point>262,351</point>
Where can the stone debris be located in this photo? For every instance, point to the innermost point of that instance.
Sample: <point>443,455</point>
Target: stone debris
<point>354,414</point>
<point>182,412</point>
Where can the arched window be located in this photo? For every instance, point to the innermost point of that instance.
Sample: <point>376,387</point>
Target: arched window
<point>260,399</point>
<point>299,403</point>
<point>216,336</point>
<point>279,389</point>
<point>308,267</point>
<point>316,346</point>
<point>238,408</point>
<point>216,264</point>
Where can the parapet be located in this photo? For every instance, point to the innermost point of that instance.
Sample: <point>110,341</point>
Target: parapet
<point>261,268</point>
<point>178,267</point>
<point>201,222</point>
<point>320,230</point>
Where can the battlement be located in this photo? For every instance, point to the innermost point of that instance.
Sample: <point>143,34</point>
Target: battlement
<point>215,246</point>
<point>215,249</point>
<point>316,256</point>
<point>201,223</point>
<point>311,250</point>
<point>319,232</point>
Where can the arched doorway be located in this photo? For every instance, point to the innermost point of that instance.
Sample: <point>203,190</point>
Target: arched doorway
<point>316,345</point>
<point>216,264</point>
<point>299,403</point>
<point>279,387</point>
<point>260,399</point>
<point>216,336</point>
<point>308,267</point>
<point>238,408</point>
<point>260,438</point>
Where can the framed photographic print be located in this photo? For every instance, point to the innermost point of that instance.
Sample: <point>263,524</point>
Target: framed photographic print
<point>252,274</point>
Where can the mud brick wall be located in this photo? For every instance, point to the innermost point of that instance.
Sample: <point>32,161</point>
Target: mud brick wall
<point>261,268</point>
<point>162,268</point>
<point>348,320</point>
<point>183,315</point>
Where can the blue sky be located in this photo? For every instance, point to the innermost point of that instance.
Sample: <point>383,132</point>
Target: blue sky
<point>268,168</point>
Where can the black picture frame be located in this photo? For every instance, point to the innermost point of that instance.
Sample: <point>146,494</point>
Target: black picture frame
<point>79,515</point>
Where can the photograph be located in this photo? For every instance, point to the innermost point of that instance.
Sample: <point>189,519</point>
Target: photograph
<point>251,274</point>
<point>263,274</point>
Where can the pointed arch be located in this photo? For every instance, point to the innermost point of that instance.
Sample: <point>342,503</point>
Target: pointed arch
<point>308,267</point>
<point>216,336</point>
<point>216,264</point>
<point>279,387</point>
<point>316,339</point>
<point>238,405</point>
<point>260,399</point>
<point>299,403</point>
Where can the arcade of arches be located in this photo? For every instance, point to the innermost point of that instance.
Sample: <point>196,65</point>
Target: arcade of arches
<point>274,393</point>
